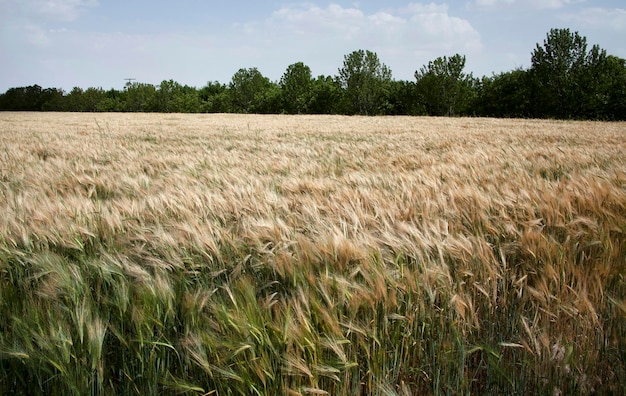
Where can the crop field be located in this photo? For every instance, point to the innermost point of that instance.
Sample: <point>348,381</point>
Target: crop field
<point>311,255</point>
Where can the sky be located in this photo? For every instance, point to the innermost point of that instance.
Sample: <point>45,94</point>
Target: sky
<point>99,43</point>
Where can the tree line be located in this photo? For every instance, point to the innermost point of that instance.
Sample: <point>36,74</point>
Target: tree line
<point>566,80</point>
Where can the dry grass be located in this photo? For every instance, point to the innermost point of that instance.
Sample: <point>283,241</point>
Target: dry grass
<point>311,255</point>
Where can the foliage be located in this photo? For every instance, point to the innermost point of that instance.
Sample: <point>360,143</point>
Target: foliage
<point>246,87</point>
<point>565,80</point>
<point>214,98</point>
<point>50,99</point>
<point>84,101</point>
<point>31,98</point>
<point>557,69</point>
<point>326,96</point>
<point>402,99</point>
<point>364,79</point>
<point>138,97</point>
<point>505,95</point>
<point>605,82</point>
<point>296,86</point>
<point>570,81</point>
<point>614,106</point>
<point>171,97</point>
<point>444,88</point>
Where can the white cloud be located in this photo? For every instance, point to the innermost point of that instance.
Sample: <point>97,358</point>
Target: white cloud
<point>62,10</point>
<point>45,10</point>
<point>535,4</point>
<point>548,3</point>
<point>491,3</point>
<point>404,38</point>
<point>312,20</point>
<point>431,27</point>
<point>36,35</point>
<point>66,58</point>
<point>37,23</point>
<point>416,21</point>
<point>604,18</point>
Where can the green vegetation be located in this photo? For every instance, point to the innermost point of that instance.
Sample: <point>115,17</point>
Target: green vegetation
<point>565,81</point>
<point>364,80</point>
<point>445,89</point>
<point>311,255</point>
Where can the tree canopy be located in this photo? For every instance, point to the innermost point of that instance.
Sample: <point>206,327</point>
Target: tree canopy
<point>557,68</point>
<point>566,79</point>
<point>443,86</point>
<point>296,85</point>
<point>364,79</point>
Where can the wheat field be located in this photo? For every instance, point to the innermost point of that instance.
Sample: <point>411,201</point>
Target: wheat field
<point>311,255</point>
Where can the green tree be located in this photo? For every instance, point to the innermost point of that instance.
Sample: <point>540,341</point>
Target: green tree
<point>402,99</point>
<point>163,97</point>
<point>112,101</point>
<point>138,97</point>
<point>557,67</point>
<point>92,98</point>
<point>444,88</point>
<point>506,94</point>
<point>22,98</point>
<point>268,100</point>
<point>603,85</point>
<point>215,98</point>
<point>52,99</point>
<point>364,80</point>
<point>246,88</point>
<point>188,100</point>
<point>613,83</point>
<point>571,82</point>
<point>295,85</point>
<point>84,100</point>
<point>326,96</point>
<point>73,99</point>
<point>172,97</point>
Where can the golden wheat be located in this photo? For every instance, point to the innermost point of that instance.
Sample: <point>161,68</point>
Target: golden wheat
<point>312,254</point>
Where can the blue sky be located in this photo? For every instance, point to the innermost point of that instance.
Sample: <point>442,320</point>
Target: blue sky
<point>98,43</point>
